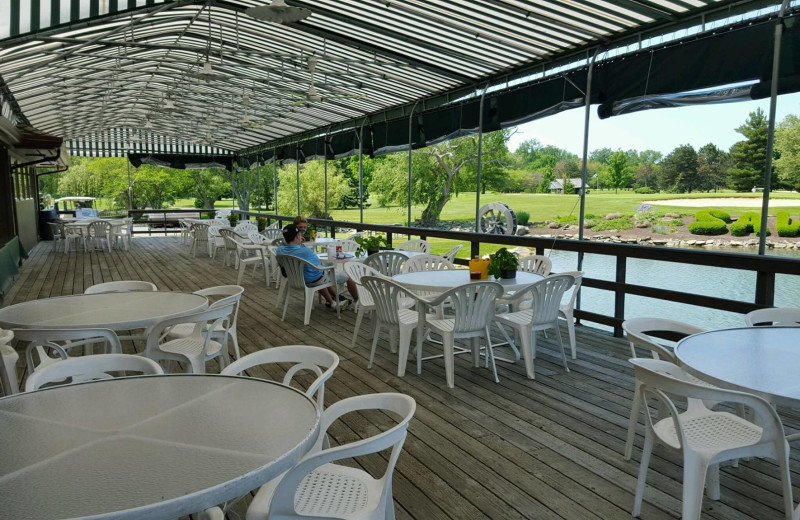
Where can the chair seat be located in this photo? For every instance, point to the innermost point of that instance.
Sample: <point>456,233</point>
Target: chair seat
<point>713,432</point>
<point>518,317</point>
<point>446,325</point>
<point>407,316</point>
<point>190,347</point>
<point>183,330</point>
<point>330,490</point>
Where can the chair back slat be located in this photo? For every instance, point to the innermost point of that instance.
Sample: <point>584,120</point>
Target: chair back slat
<point>427,262</point>
<point>386,296</point>
<point>388,263</point>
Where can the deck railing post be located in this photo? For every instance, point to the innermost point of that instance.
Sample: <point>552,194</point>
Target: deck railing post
<point>619,294</point>
<point>765,289</point>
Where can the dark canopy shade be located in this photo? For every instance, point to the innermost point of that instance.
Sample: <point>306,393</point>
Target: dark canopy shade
<point>182,161</point>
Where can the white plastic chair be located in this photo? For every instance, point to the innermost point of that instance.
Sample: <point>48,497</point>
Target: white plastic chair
<point>243,228</point>
<point>255,255</point>
<point>96,232</point>
<point>228,294</point>
<point>426,262</point>
<point>86,368</point>
<point>186,230</point>
<point>319,360</point>
<point>120,286</point>
<point>387,297</point>
<point>536,264</point>
<point>231,241</point>
<point>8,364</point>
<point>215,242</point>
<point>317,488</point>
<point>545,296</point>
<point>388,263</point>
<point>274,268</point>
<point>348,246</point>
<point>197,348</point>
<point>773,317</point>
<point>452,252</point>
<point>61,341</point>
<point>199,239</point>
<point>293,267</point>
<point>356,270</point>
<point>473,311</point>
<point>58,234</point>
<point>272,234</point>
<point>418,245</point>
<point>566,309</point>
<point>70,234</point>
<point>705,437</point>
<point>121,233</point>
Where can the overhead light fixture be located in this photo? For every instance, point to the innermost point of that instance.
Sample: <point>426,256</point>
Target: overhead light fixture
<point>207,73</point>
<point>148,124</point>
<point>278,12</point>
<point>169,106</point>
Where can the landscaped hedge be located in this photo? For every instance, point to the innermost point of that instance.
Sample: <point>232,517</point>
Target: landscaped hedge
<point>710,222</point>
<point>749,222</point>
<point>645,190</point>
<point>785,226</point>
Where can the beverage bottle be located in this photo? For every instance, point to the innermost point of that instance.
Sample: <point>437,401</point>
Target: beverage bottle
<point>339,253</point>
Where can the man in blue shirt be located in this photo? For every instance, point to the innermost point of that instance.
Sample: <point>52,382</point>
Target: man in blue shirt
<point>293,236</point>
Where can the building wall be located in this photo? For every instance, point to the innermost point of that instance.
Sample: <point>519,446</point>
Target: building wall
<point>24,182</point>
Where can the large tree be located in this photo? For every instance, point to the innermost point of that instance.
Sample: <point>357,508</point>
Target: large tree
<point>749,157</point>
<point>208,185</point>
<point>679,170</point>
<point>312,189</point>
<point>787,145</point>
<point>618,172</point>
<point>712,167</point>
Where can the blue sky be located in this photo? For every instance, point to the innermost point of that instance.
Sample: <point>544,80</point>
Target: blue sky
<point>662,129</point>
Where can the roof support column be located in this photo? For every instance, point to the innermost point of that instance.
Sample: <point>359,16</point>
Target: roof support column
<point>7,213</point>
<point>361,172</point>
<point>773,101</point>
<point>584,163</point>
<point>325,165</point>
<point>297,169</point>
<point>480,162</point>
<point>410,142</point>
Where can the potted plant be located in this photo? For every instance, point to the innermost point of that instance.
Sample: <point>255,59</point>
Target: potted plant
<point>261,222</point>
<point>311,233</point>
<point>371,244</point>
<point>233,218</point>
<point>503,264</point>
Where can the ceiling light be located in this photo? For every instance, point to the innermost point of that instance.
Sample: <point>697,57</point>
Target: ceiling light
<point>148,124</point>
<point>278,12</point>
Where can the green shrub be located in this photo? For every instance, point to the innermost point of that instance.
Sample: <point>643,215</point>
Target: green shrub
<point>676,222</point>
<point>199,204</point>
<point>523,217</point>
<point>662,229</point>
<point>618,223</point>
<point>645,190</point>
<point>710,222</point>
<point>785,226</point>
<point>569,219</point>
<point>748,222</point>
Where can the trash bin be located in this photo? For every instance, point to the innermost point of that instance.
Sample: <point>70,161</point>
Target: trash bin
<point>45,216</point>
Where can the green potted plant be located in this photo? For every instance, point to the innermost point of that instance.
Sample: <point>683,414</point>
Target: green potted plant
<point>503,264</point>
<point>233,218</point>
<point>371,244</point>
<point>261,222</point>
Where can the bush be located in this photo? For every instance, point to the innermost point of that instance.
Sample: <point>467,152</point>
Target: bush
<point>785,226</point>
<point>199,204</point>
<point>662,229</point>
<point>618,223</point>
<point>748,222</point>
<point>645,190</point>
<point>613,216</point>
<point>569,219</point>
<point>710,222</point>
<point>676,222</point>
<point>523,217</point>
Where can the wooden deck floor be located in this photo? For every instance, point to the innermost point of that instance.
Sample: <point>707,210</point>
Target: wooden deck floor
<point>544,449</point>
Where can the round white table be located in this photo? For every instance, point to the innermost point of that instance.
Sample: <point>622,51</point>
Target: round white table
<point>442,280</point>
<point>761,360</point>
<point>155,447</point>
<point>116,311</point>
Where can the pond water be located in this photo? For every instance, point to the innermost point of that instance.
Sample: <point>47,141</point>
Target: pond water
<point>697,279</point>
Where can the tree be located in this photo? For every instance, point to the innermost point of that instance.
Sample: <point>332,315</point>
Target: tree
<point>787,144</point>
<point>601,155</point>
<point>566,170</point>
<point>348,168</point>
<point>618,174</point>
<point>712,167</point>
<point>154,186</point>
<point>527,151</point>
<point>679,170</point>
<point>749,157</point>
<point>209,185</point>
<point>244,183</point>
<point>312,189</point>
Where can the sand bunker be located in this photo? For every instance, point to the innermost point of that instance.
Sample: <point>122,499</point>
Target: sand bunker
<point>723,202</point>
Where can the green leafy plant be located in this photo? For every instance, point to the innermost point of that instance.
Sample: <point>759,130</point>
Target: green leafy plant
<point>785,226</point>
<point>233,218</point>
<point>311,233</point>
<point>371,243</point>
<point>523,217</point>
<point>502,260</point>
<point>618,223</point>
<point>710,222</point>
<point>261,222</point>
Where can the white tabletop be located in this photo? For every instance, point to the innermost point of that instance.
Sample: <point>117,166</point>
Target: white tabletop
<point>114,311</point>
<point>763,360</point>
<point>156,447</point>
<point>447,279</point>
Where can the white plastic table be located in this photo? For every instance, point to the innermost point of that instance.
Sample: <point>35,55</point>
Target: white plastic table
<point>443,280</point>
<point>155,447</point>
<point>761,360</point>
<point>116,311</point>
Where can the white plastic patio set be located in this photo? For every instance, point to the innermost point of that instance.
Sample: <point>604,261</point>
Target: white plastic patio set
<point>92,233</point>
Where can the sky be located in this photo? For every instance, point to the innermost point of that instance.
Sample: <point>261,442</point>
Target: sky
<point>662,130</point>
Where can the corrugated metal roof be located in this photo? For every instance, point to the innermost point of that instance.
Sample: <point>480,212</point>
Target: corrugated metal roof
<point>125,74</point>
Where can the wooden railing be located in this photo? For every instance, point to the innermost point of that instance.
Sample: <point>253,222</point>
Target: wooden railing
<point>765,267</point>
<point>166,220</point>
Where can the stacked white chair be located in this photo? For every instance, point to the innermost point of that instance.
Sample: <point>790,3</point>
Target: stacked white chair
<point>321,361</point>
<point>317,488</point>
<point>703,437</point>
<point>293,267</point>
<point>472,307</point>
<point>199,239</point>
<point>536,264</point>
<point>198,347</point>
<point>86,368</point>
<point>426,262</point>
<point>226,294</point>
<point>545,296</point>
<point>418,245</point>
<point>775,316</point>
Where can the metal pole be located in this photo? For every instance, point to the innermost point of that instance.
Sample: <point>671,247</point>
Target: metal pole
<point>130,188</point>
<point>773,101</point>
<point>584,180</point>
<point>274,184</point>
<point>325,159</point>
<point>361,172</point>
<point>410,138</point>
<point>480,162</point>
<point>297,163</point>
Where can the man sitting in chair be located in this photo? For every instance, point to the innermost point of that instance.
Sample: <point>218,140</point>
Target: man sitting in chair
<point>293,236</point>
